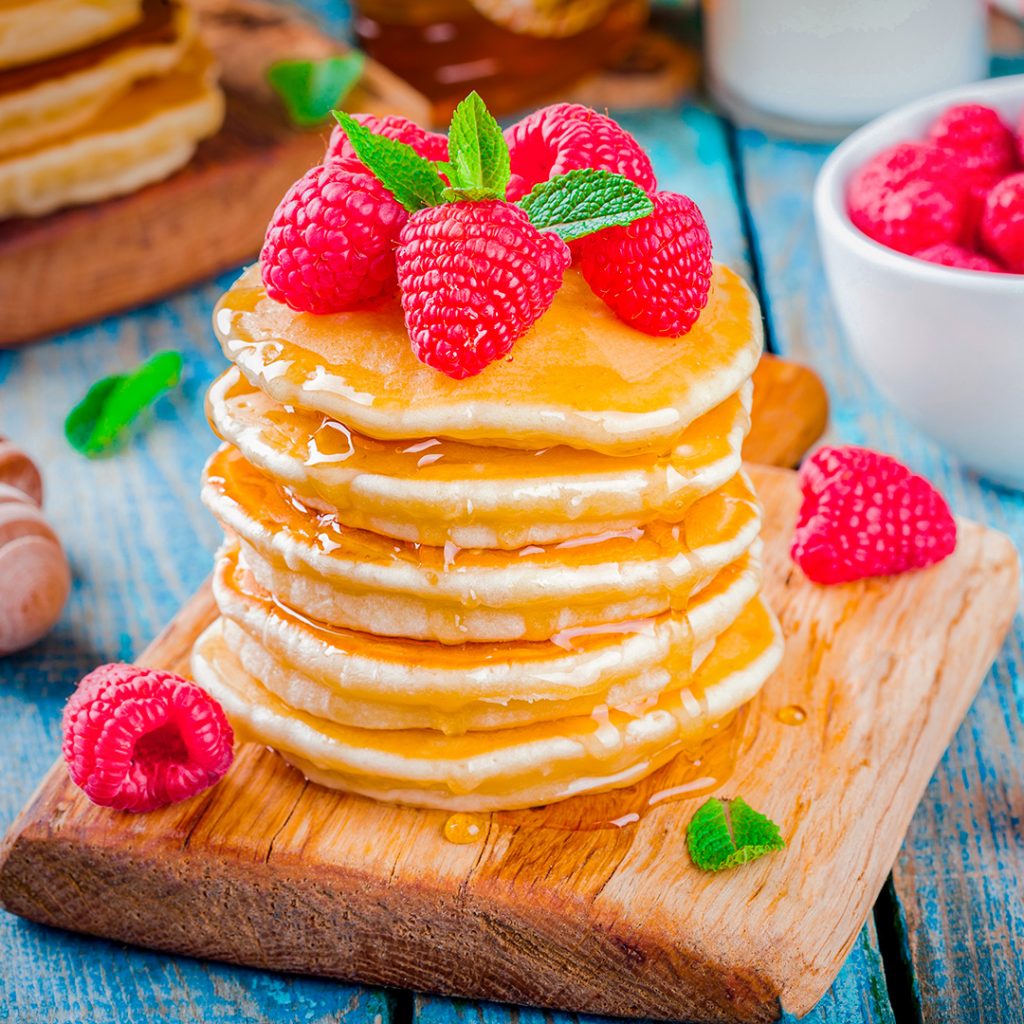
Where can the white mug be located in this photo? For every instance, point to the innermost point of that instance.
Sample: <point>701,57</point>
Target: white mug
<point>820,68</point>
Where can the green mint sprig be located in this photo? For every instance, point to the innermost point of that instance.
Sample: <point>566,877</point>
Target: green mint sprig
<point>725,833</point>
<point>311,89</point>
<point>113,403</point>
<point>478,153</point>
<point>581,202</point>
<point>478,168</point>
<point>411,179</point>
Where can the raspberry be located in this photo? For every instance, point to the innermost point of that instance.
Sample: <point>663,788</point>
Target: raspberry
<point>909,197</point>
<point>656,272</point>
<point>474,278</point>
<point>138,739</point>
<point>865,514</point>
<point>1002,222</point>
<point>978,138</point>
<point>331,243</point>
<point>567,136</point>
<point>430,145</point>
<point>949,254</point>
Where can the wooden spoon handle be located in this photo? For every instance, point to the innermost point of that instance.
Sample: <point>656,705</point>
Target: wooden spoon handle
<point>35,579</point>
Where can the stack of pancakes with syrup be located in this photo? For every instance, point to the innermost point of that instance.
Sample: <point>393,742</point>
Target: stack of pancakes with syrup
<point>489,593</point>
<point>98,99</point>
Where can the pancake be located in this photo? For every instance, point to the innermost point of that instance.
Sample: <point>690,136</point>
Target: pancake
<point>36,30</point>
<point>509,768</point>
<point>433,491</point>
<point>52,99</point>
<point>142,137</point>
<point>579,377</point>
<point>360,580</point>
<point>394,682</point>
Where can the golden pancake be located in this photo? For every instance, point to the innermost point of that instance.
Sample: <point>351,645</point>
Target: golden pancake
<point>580,376</point>
<point>508,768</point>
<point>36,30</point>
<point>377,681</point>
<point>142,137</point>
<point>360,580</point>
<point>433,491</point>
<point>49,101</point>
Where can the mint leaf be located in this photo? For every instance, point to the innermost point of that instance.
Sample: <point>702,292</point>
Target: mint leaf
<point>311,89</point>
<point>477,150</point>
<point>411,179</point>
<point>112,403</point>
<point>584,201</point>
<point>723,834</point>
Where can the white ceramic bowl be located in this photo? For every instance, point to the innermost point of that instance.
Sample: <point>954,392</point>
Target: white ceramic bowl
<point>945,346</point>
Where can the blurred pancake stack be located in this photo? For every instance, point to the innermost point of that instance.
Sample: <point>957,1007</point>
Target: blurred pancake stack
<point>98,100</point>
<point>488,593</point>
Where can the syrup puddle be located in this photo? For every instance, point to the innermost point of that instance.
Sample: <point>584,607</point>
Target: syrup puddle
<point>698,771</point>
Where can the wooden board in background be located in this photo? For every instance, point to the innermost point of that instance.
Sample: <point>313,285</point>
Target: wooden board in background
<point>550,909</point>
<point>84,262</point>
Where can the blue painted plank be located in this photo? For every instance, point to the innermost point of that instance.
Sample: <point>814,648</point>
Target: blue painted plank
<point>958,879</point>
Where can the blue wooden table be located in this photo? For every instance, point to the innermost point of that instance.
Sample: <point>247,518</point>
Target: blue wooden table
<point>946,941</point>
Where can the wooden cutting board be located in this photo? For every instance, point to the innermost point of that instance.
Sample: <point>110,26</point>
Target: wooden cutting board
<point>560,907</point>
<point>84,262</point>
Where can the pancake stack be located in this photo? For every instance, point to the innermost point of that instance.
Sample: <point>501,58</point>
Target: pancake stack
<point>488,593</point>
<point>98,99</point>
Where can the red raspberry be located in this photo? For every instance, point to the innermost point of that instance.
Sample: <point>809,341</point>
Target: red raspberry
<point>1002,222</point>
<point>331,243</point>
<point>656,272</point>
<point>949,254</point>
<point>474,278</point>
<point>909,197</point>
<point>567,136</point>
<point>865,514</point>
<point>138,739</point>
<point>430,145</point>
<point>978,138</point>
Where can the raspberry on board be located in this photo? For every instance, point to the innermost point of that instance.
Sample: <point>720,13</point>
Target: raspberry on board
<point>330,245</point>
<point>656,272</point>
<point>137,739</point>
<point>474,277</point>
<point>1002,222</point>
<point>909,197</point>
<point>978,138</point>
<point>567,136</point>
<point>430,145</point>
<point>866,514</point>
<point>949,254</point>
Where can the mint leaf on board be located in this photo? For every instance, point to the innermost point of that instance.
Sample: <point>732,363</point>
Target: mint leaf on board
<point>114,402</point>
<point>411,179</point>
<point>311,89</point>
<point>584,201</point>
<point>477,150</point>
<point>723,834</point>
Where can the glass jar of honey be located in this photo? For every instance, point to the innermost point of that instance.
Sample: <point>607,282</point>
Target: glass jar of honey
<point>516,53</point>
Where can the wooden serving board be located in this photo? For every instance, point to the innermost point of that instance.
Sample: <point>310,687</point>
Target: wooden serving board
<point>84,262</point>
<point>558,907</point>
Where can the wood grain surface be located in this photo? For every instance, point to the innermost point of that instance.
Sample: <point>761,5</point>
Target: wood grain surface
<point>87,261</point>
<point>552,908</point>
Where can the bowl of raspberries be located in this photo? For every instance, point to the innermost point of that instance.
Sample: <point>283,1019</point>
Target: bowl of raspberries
<point>920,219</point>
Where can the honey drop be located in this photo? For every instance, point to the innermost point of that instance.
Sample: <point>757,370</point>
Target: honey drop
<point>463,828</point>
<point>792,714</point>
